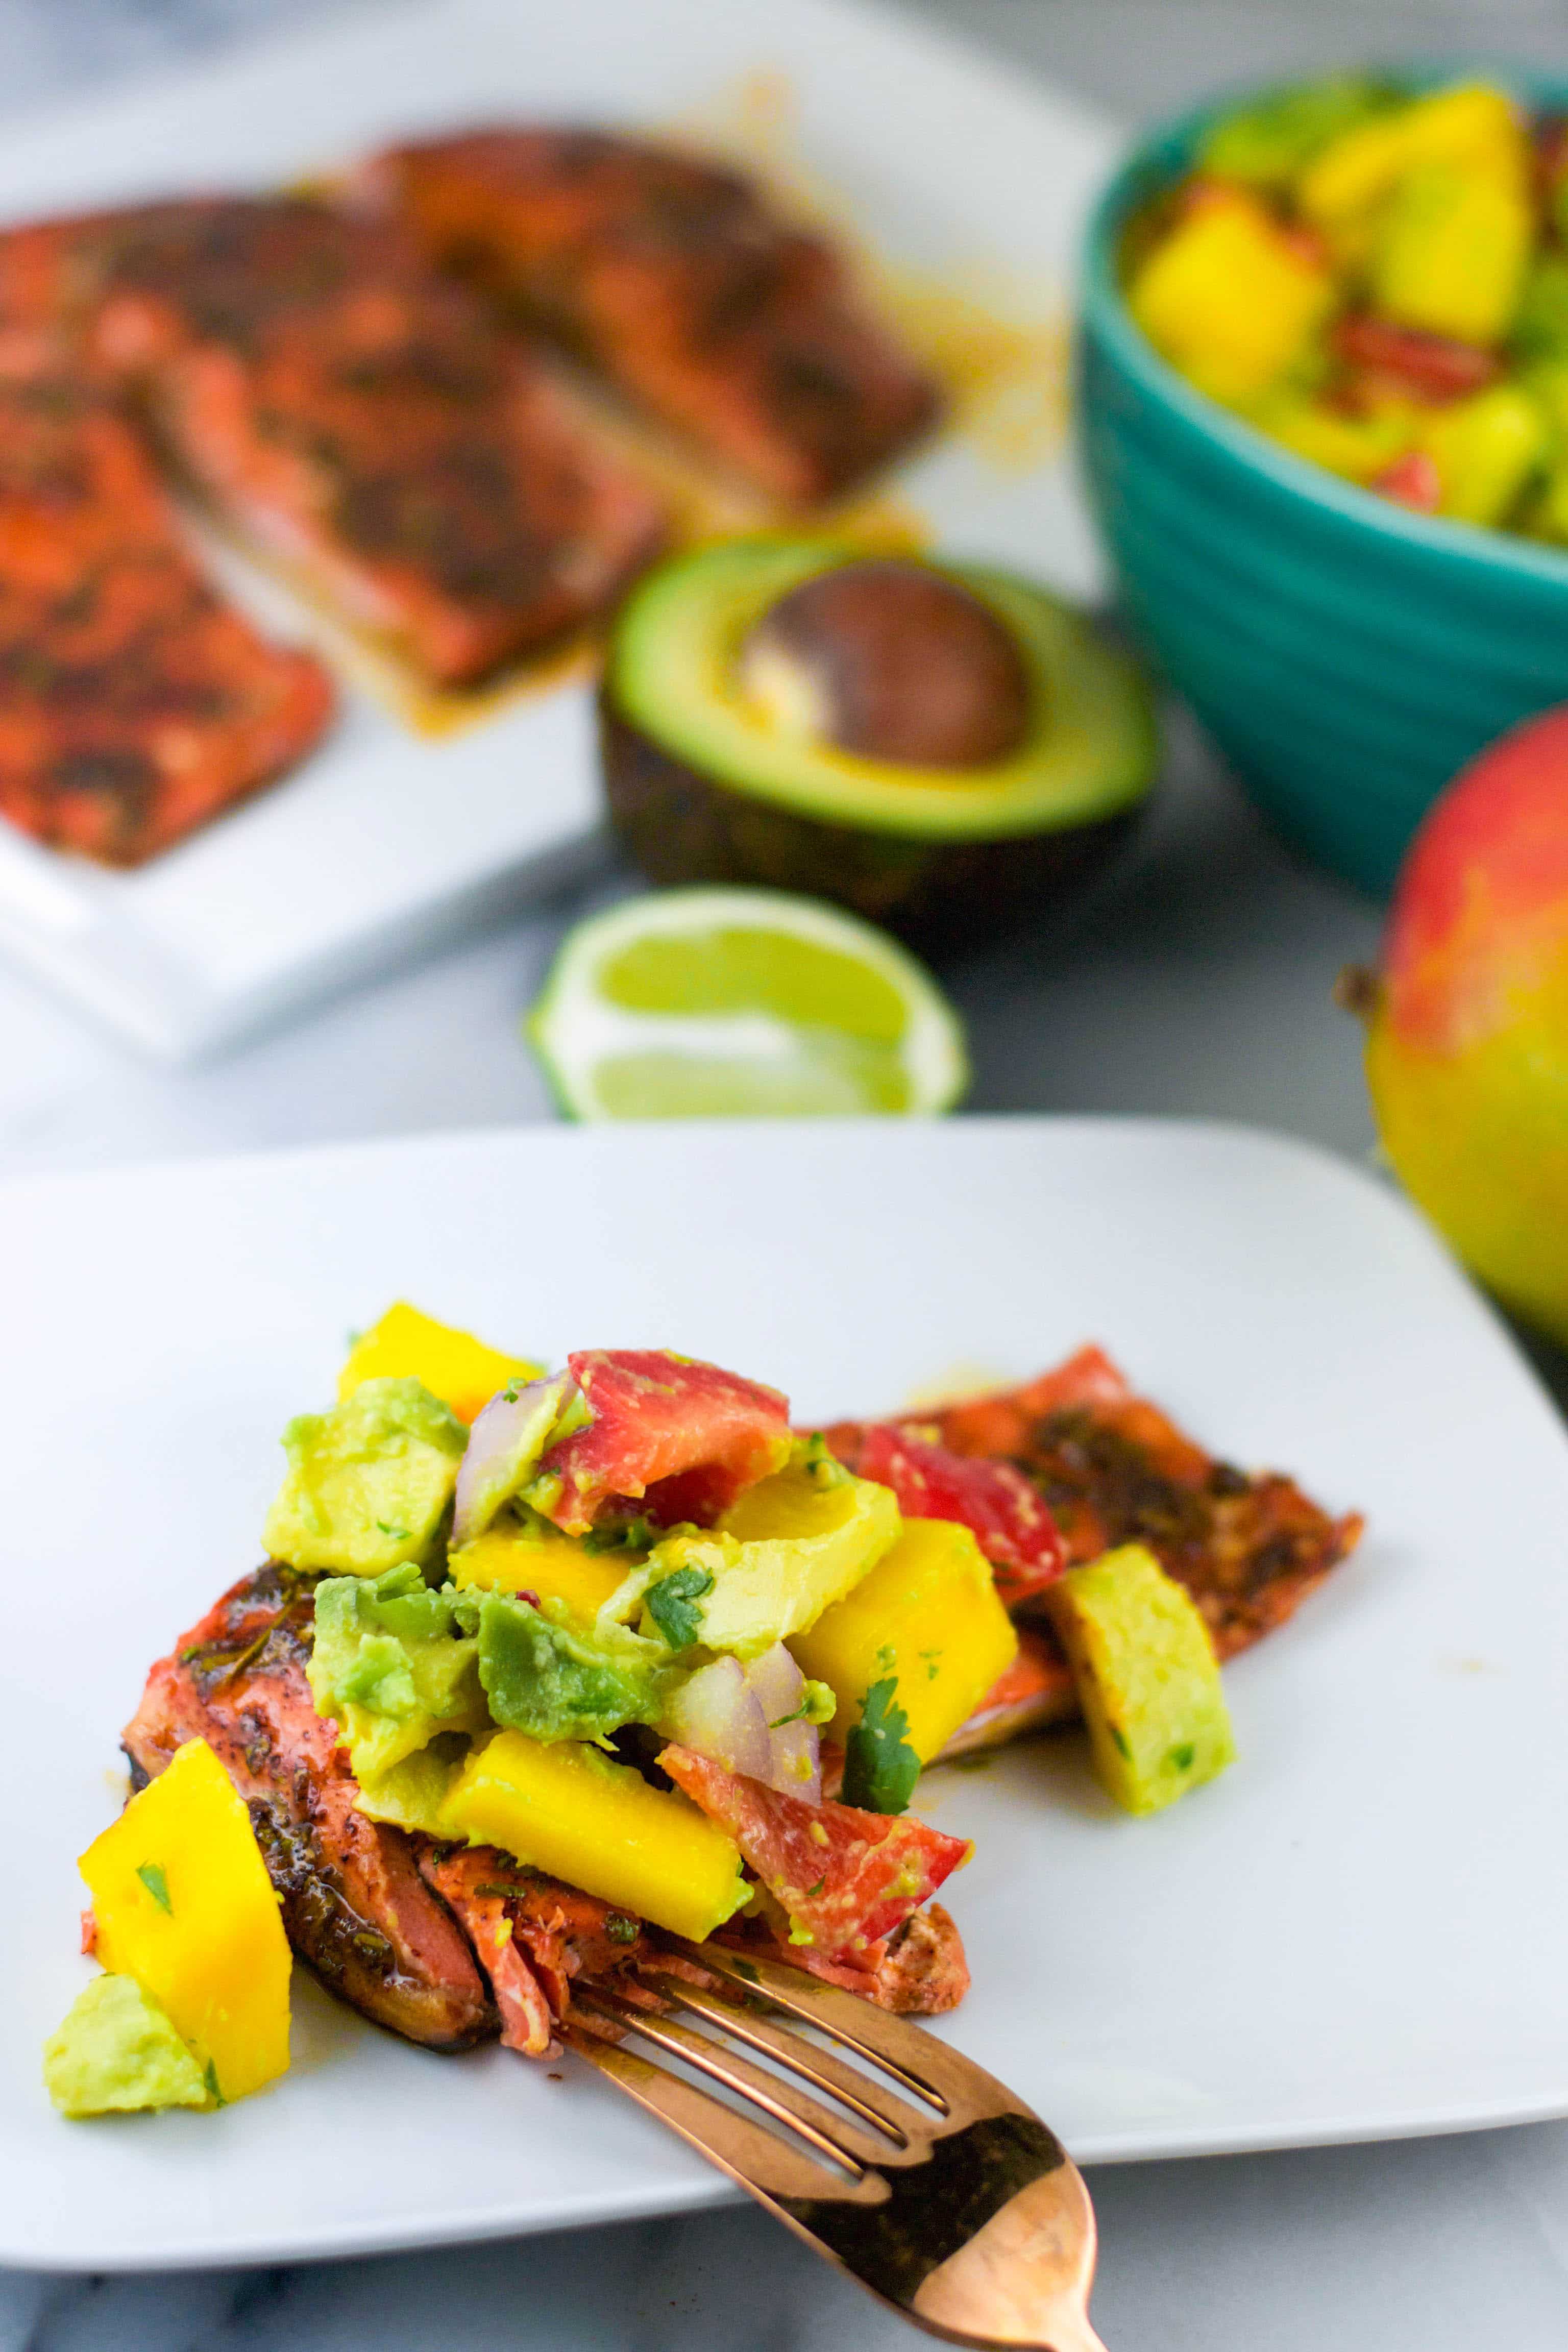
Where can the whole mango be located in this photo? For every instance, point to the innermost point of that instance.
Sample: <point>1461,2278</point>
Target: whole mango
<point>1468,1046</point>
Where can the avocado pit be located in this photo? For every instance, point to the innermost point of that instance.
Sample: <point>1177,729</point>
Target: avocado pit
<point>892,661</point>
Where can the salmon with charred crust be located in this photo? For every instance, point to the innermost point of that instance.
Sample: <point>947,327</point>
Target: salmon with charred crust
<point>1113,1468</point>
<point>135,703</point>
<point>673,276</point>
<point>356,1904</point>
<point>354,416</point>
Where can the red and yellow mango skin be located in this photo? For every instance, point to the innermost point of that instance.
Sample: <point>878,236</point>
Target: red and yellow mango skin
<point>1468,1051</point>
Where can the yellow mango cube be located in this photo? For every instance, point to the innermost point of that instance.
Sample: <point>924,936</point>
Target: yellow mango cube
<point>567,1809</point>
<point>1476,127</point>
<point>452,1365</point>
<point>1486,450</point>
<point>1230,299</point>
<point>927,1613</point>
<point>504,1559</point>
<point>184,1906</point>
<point>1450,253</point>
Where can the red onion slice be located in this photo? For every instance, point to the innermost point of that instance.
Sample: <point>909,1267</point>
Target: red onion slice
<point>505,1442</point>
<point>717,1712</point>
<point>794,1765</point>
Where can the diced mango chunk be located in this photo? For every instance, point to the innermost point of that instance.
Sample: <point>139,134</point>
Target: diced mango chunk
<point>1475,127</point>
<point>555,1566</point>
<point>184,1906</point>
<point>1147,1679</point>
<point>1230,297</point>
<point>1450,253</point>
<point>567,1809</point>
<point>463,1371</point>
<point>1486,450</point>
<point>927,1613</point>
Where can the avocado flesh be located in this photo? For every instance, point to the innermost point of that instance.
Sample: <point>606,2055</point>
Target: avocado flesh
<point>703,788</point>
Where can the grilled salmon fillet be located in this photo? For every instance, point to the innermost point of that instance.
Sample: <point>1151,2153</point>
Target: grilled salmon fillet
<point>356,1904</point>
<point>352,414</point>
<point>674,277</point>
<point>135,703</point>
<point>1114,1469</point>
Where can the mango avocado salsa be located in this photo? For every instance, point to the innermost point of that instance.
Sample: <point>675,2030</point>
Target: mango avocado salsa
<point>617,1653</point>
<point>1378,279</point>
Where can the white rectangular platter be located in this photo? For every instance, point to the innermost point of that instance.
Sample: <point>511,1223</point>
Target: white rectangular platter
<point>1361,1931</point>
<point>386,841</point>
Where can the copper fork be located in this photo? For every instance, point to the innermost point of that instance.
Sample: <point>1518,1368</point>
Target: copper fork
<point>945,2195</point>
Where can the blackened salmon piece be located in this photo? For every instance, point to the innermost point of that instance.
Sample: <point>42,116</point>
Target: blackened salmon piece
<point>534,1937</point>
<point>354,1904</point>
<point>366,423</point>
<point>1115,1469</point>
<point>675,277</point>
<point>135,704</point>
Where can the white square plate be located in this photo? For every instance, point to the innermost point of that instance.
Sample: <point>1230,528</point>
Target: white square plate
<point>386,840</point>
<point>1361,1931</point>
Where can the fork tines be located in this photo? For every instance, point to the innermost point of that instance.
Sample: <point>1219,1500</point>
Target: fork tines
<point>928,2179</point>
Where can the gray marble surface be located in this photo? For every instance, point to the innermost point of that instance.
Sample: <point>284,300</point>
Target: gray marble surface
<point>1199,982</point>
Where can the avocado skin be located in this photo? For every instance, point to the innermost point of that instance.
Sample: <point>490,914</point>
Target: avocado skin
<point>681,825</point>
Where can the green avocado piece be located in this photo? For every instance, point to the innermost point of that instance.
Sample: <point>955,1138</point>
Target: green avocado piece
<point>410,1794</point>
<point>704,785</point>
<point>556,1679</point>
<point>369,1483</point>
<point>1265,145</point>
<point>116,2052</point>
<point>391,1666</point>
<point>783,1551</point>
<point>1147,1679</point>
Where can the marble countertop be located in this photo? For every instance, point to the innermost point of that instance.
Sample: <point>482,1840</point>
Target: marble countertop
<point>1198,982</point>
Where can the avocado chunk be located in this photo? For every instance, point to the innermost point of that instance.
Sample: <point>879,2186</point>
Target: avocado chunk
<point>721,769</point>
<point>116,2052</point>
<point>392,1667</point>
<point>783,1551</point>
<point>1147,1677</point>
<point>369,1483</point>
<point>557,1680</point>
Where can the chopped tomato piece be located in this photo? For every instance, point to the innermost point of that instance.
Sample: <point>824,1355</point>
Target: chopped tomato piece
<point>846,1878</point>
<point>1412,480</point>
<point>1008,1519</point>
<point>1425,367</point>
<point>685,1438</point>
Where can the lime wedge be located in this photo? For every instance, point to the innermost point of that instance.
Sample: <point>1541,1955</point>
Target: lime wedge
<point>742,1003</point>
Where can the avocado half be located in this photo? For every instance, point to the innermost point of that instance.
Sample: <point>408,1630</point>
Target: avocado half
<point>704,787</point>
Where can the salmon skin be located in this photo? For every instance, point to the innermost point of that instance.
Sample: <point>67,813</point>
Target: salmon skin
<point>354,1904</point>
<point>672,275</point>
<point>135,704</point>
<point>350,413</point>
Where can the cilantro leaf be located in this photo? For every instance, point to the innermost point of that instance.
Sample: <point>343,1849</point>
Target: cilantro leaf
<point>672,1606</point>
<point>209,2082</point>
<point>881,1768</point>
<point>638,1534</point>
<point>157,1886</point>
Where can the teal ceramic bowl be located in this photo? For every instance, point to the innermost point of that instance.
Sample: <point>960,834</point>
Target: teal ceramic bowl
<point>1347,656</point>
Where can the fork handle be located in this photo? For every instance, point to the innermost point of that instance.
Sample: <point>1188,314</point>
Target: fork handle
<point>1023,2280</point>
